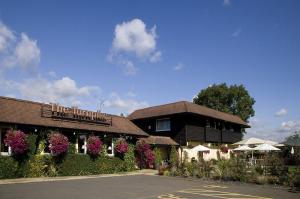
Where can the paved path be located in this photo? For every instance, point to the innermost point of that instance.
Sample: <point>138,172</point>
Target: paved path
<point>140,187</point>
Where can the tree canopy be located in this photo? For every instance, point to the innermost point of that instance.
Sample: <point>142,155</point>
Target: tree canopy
<point>293,140</point>
<point>234,99</point>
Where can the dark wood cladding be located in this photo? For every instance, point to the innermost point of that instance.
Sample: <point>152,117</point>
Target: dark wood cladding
<point>231,136</point>
<point>191,127</point>
<point>195,133</point>
<point>213,135</point>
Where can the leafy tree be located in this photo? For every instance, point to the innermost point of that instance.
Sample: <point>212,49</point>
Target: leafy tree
<point>233,99</point>
<point>293,140</point>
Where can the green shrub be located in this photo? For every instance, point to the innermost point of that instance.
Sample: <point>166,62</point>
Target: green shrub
<point>8,167</point>
<point>261,180</point>
<point>273,179</point>
<point>129,158</point>
<point>32,143</point>
<point>36,166</point>
<point>77,164</point>
<point>158,158</point>
<point>294,177</point>
<point>72,148</point>
<point>174,157</point>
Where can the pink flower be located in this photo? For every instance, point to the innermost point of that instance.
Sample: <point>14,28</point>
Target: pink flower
<point>17,140</point>
<point>145,155</point>
<point>94,145</point>
<point>59,143</point>
<point>121,146</point>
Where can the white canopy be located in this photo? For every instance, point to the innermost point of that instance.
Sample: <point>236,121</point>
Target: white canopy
<point>251,141</point>
<point>200,148</point>
<point>243,148</point>
<point>265,147</point>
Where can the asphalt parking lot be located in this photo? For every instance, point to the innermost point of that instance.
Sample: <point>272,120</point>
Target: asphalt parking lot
<point>140,187</point>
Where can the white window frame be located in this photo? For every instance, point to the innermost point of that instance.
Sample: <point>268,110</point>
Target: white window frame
<point>9,148</point>
<point>85,143</point>
<point>169,129</point>
<point>112,154</point>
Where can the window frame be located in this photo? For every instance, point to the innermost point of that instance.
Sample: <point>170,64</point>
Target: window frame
<point>159,130</point>
<point>4,153</point>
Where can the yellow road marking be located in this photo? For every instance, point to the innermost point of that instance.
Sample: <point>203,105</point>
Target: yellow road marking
<point>220,194</point>
<point>170,196</point>
<point>215,186</point>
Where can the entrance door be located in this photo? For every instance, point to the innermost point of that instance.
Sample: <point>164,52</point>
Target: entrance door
<point>82,144</point>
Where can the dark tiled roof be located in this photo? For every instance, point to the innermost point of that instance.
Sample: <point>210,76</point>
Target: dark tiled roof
<point>185,107</point>
<point>16,111</point>
<point>159,140</point>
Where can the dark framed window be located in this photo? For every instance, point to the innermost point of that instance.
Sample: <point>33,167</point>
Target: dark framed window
<point>163,124</point>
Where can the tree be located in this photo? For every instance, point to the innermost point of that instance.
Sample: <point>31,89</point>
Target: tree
<point>293,140</point>
<point>234,99</point>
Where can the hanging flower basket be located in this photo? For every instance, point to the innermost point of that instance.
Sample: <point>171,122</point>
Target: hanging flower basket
<point>58,144</point>
<point>94,145</point>
<point>17,141</point>
<point>121,146</point>
<point>224,149</point>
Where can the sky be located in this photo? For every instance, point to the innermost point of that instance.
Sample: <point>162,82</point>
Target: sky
<point>118,56</point>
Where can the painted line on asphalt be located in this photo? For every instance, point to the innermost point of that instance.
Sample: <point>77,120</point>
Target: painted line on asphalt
<point>220,194</point>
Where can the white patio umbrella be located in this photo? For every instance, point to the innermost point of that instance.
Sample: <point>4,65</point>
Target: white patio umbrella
<point>276,144</point>
<point>200,148</point>
<point>250,141</point>
<point>292,151</point>
<point>243,148</point>
<point>265,147</point>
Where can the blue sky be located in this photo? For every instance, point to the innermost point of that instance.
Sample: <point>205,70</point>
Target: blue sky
<point>134,54</point>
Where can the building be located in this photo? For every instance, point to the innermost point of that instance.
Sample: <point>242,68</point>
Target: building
<point>76,124</point>
<point>189,125</point>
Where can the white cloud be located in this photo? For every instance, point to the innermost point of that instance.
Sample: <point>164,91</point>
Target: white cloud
<point>27,53</point>
<point>281,112</point>
<point>133,36</point>
<point>178,66</point>
<point>133,41</point>
<point>156,57</point>
<point>17,51</point>
<point>52,74</point>
<point>63,90</point>
<point>129,68</point>
<point>227,2</point>
<point>237,32</point>
<point>124,105</point>
<point>131,94</point>
<point>260,129</point>
<point>6,36</point>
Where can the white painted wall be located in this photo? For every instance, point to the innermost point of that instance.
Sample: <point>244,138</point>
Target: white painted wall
<point>206,156</point>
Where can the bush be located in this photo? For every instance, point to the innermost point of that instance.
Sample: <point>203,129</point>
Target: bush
<point>261,180</point>
<point>32,143</point>
<point>144,154</point>
<point>294,178</point>
<point>8,167</point>
<point>36,166</point>
<point>158,158</point>
<point>129,158</point>
<point>77,164</point>
<point>273,179</point>
<point>174,157</point>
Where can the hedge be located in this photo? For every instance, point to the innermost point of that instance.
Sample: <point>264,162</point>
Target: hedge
<point>71,165</point>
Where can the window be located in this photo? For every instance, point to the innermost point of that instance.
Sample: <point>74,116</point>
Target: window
<point>81,144</point>
<point>109,144</point>
<point>5,150</point>
<point>163,125</point>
